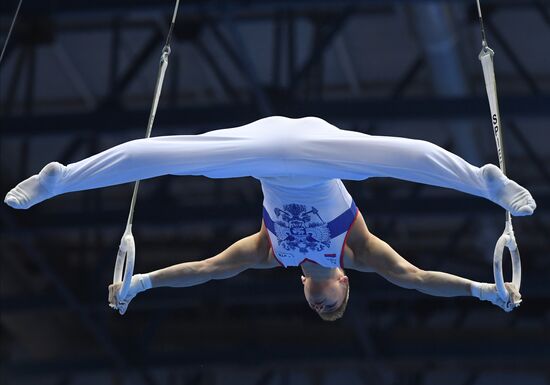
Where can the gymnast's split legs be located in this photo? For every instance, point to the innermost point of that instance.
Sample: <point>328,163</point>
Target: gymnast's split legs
<point>276,147</point>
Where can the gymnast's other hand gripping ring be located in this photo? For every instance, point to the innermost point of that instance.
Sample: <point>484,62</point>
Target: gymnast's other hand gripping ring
<point>124,265</point>
<point>507,240</point>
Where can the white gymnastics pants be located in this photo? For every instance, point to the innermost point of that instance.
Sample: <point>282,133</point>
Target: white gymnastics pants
<point>275,147</point>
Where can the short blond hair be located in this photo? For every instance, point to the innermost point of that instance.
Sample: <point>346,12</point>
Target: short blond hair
<point>337,313</point>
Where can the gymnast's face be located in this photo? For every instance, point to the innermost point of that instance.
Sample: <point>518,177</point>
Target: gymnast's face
<point>327,295</point>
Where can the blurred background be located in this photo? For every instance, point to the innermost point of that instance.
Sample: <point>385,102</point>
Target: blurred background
<point>78,77</point>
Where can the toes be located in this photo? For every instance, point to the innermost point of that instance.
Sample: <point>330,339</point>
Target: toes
<point>16,199</point>
<point>12,201</point>
<point>28,193</point>
<point>526,208</point>
<point>524,211</point>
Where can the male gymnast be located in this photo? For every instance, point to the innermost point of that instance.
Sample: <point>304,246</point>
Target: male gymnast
<point>309,218</point>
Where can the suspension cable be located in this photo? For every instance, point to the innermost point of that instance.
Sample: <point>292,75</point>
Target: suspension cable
<point>11,28</point>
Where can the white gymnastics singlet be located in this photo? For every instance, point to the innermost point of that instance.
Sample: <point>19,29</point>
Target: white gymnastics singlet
<point>307,219</point>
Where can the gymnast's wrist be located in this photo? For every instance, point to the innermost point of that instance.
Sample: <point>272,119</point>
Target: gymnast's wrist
<point>475,289</point>
<point>142,283</point>
<point>481,290</point>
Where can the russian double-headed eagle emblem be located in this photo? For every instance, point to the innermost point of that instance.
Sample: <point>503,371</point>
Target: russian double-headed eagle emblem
<point>301,230</point>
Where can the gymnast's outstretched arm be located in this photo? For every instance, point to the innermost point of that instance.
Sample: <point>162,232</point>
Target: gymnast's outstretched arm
<point>377,256</point>
<point>251,252</point>
<point>276,146</point>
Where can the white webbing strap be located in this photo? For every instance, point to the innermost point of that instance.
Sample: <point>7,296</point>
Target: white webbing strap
<point>507,239</point>
<point>486,58</point>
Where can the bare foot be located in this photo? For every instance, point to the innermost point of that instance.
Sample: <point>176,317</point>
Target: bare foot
<point>507,193</point>
<point>35,189</point>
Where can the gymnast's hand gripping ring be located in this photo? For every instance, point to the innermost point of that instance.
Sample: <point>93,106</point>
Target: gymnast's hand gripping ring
<point>507,240</point>
<point>124,265</point>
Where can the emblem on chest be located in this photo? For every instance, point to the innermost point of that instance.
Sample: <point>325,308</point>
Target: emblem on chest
<point>299,229</point>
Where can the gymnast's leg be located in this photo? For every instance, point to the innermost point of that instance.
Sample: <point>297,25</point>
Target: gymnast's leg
<point>333,153</point>
<point>250,150</point>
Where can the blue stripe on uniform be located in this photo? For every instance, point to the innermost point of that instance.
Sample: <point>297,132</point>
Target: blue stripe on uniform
<point>342,222</point>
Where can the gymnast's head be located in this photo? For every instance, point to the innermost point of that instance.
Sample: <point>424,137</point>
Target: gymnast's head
<point>328,297</point>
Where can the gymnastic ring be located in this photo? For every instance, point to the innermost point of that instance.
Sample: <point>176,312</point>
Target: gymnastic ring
<point>508,240</point>
<point>125,260</point>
